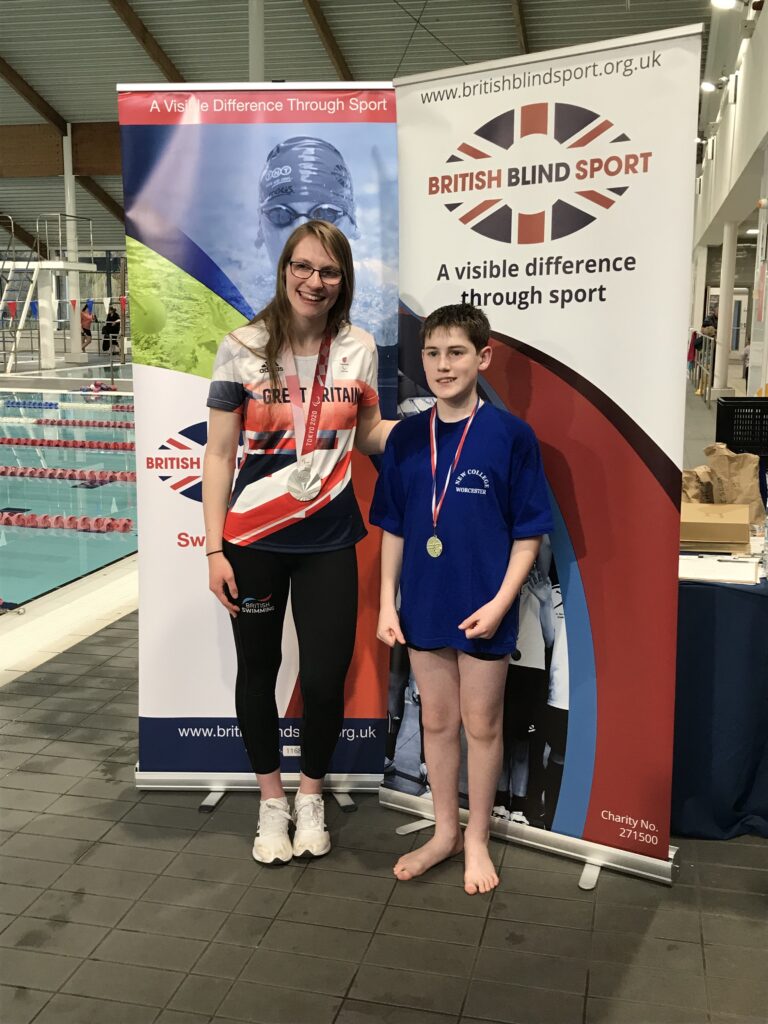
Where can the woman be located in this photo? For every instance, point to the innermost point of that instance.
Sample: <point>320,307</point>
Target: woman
<point>110,331</point>
<point>299,381</point>
<point>86,319</point>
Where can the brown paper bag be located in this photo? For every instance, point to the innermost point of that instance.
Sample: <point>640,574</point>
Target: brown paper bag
<point>735,480</point>
<point>697,485</point>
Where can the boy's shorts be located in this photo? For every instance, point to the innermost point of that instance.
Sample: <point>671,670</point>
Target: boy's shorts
<point>480,655</point>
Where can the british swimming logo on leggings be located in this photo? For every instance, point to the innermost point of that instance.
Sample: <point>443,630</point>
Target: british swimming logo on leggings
<point>556,192</point>
<point>178,461</point>
<point>257,605</point>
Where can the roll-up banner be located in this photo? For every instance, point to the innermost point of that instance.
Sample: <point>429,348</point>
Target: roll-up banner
<point>215,178</point>
<point>555,192</point>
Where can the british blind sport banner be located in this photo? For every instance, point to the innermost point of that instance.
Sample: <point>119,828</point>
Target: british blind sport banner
<point>215,179</point>
<point>554,191</point>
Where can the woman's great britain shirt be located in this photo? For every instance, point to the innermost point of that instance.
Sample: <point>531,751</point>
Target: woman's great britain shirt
<point>261,511</point>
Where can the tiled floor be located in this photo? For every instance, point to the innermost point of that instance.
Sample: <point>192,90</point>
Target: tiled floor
<point>120,907</point>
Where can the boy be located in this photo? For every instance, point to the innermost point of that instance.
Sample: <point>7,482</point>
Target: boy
<point>463,503</point>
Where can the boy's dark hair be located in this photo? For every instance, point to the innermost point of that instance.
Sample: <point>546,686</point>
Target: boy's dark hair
<point>465,317</point>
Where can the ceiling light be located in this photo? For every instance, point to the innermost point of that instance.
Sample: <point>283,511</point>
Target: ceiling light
<point>708,87</point>
<point>725,5</point>
<point>753,231</point>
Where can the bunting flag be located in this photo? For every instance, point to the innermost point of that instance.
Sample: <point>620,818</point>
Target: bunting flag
<point>123,303</point>
<point>33,309</point>
<point>89,305</point>
<point>106,304</point>
<point>11,307</point>
<point>73,303</point>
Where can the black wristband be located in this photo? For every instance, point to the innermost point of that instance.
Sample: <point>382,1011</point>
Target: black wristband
<point>219,552</point>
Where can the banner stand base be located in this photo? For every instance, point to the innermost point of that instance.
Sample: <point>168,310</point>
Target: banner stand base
<point>345,802</point>
<point>589,876</point>
<point>211,801</point>
<point>413,826</point>
<point>594,855</point>
<point>224,782</point>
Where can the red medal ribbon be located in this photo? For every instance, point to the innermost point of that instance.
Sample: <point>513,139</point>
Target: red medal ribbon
<point>307,423</point>
<point>437,505</point>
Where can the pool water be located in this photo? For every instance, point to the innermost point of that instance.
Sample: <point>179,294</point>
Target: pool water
<point>34,561</point>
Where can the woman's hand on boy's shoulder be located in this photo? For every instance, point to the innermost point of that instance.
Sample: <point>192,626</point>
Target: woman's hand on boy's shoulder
<point>483,623</point>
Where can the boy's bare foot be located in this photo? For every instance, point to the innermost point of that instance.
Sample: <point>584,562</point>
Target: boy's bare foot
<point>479,872</point>
<point>432,852</point>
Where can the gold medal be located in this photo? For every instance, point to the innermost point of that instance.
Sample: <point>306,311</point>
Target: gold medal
<point>434,546</point>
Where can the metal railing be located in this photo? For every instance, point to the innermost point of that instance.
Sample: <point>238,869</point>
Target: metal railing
<point>703,365</point>
<point>22,275</point>
<point>44,225</point>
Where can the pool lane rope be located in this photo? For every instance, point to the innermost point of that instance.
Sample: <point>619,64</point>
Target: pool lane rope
<point>83,524</point>
<point>46,442</point>
<point>46,473</point>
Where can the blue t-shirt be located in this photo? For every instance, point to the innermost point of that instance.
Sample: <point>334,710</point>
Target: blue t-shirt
<point>497,494</point>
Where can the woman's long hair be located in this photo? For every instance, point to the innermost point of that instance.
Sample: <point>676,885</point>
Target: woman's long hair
<point>277,314</point>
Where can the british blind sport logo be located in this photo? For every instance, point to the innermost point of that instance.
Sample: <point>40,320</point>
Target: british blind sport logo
<point>178,461</point>
<point>592,164</point>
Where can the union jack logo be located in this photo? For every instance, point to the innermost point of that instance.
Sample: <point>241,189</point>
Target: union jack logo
<point>571,127</point>
<point>178,461</point>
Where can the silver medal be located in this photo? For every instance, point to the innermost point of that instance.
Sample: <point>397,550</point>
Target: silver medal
<point>302,487</point>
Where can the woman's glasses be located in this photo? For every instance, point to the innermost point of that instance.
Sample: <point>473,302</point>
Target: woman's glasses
<point>282,216</point>
<point>328,275</point>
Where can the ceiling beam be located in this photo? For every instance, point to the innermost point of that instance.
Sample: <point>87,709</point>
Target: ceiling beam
<point>26,238</point>
<point>146,40</point>
<point>25,90</point>
<point>98,193</point>
<point>519,20</point>
<point>328,40</point>
<point>30,151</point>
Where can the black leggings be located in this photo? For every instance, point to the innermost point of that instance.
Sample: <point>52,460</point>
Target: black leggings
<point>323,588</point>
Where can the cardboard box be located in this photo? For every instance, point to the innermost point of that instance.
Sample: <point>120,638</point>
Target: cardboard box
<point>712,528</point>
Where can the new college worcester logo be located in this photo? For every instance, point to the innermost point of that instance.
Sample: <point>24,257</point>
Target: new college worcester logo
<point>538,173</point>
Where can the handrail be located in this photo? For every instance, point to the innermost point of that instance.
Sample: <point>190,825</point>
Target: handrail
<point>65,217</point>
<point>23,319</point>
<point>701,375</point>
<point>11,246</point>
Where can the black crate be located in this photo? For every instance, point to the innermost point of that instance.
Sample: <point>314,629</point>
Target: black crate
<point>742,424</point>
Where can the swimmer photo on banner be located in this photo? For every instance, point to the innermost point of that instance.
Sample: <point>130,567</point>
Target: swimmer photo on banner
<point>553,190</point>
<point>215,180</point>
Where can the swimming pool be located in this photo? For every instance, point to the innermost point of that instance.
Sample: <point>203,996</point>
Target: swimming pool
<point>67,488</point>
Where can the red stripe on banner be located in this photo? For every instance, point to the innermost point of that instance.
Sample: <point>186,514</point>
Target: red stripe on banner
<point>178,444</point>
<point>236,106</point>
<point>625,534</point>
<point>533,119</point>
<point>477,210</point>
<point>597,197</point>
<point>530,227</point>
<point>184,483</point>
<point>476,154</point>
<point>591,135</point>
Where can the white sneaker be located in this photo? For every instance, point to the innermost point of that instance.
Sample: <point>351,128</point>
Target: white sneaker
<point>311,837</point>
<point>500,811</point>
<point>272,845</point>
<point>518,818</point>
